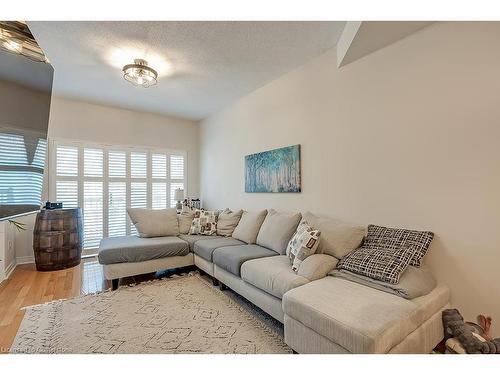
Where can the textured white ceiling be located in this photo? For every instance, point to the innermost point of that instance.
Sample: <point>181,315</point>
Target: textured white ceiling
<point>203,66</point>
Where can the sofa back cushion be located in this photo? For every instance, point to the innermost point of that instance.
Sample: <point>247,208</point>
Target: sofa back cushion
<point>185,219</point>
<point>154,223</point>
<point>249,225</point>
<point>338,238</point>
<point>228,220</point>
<point>277,230</point>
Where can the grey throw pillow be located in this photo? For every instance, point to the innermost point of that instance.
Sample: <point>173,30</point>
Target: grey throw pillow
<point>227,222</point>
<point>154,223</point>
<point>381,264</point>
<point>249,225</point>
<point>277,230</point>
<point>414,282</point>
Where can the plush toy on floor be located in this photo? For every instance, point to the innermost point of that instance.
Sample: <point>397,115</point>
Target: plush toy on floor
<point>466,337</point>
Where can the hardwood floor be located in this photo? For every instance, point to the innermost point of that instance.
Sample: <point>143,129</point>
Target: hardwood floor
<point>26,287</point>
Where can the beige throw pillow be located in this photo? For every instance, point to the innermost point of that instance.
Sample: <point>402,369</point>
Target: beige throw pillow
<point>154,223</point>
<point>249,225</point>
<point>277,229</point>
<point>227,221</point>
<point>338,238</point>
<point>185,219</point>
<point>204,223</point>
<point>304,243</point>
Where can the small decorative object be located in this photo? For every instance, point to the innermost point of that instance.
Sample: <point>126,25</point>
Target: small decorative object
<point>53,205</point>
<point>58,239</point>
<point>179,197</point>
<point>275,171</point>
<point>466,337</point>
<point>192,203</point>
<point>140,74</point>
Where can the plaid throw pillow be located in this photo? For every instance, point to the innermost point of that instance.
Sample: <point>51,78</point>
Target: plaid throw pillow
<point>393,238</point>
<point>380,264</point>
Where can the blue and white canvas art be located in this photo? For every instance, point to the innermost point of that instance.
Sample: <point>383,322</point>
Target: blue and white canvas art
<point>275,171</point>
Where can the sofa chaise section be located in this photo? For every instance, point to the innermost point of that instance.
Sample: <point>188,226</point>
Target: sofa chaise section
<point>132,255</point>
<point>333,315</point>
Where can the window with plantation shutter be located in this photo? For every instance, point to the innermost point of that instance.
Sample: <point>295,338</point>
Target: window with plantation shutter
<point>104,180</point>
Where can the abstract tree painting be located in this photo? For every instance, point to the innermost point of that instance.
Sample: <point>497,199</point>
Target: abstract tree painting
<point>275,171</point>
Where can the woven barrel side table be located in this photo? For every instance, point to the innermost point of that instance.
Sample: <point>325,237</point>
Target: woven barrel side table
<point>58,239</point>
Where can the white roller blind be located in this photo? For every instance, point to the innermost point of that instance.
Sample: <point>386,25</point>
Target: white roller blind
<point>105,179</point>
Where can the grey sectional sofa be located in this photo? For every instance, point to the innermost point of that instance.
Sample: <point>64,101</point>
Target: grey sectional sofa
<point>321,313</point>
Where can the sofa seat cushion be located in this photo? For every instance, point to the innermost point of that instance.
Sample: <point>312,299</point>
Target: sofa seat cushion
<point>191,239</point>
<point>359,318</point>
<point>272,274</point>
<point>128,249</point>
<point>230,258</point>
<point>205,248</point>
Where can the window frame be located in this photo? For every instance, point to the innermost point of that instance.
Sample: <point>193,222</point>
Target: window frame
<point>53,143</point>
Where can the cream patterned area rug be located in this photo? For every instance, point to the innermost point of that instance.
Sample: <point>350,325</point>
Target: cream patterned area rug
<point>181,314</point>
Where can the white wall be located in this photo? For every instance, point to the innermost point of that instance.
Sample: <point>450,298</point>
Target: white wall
<point>407,136</point>
<point>76,120</point>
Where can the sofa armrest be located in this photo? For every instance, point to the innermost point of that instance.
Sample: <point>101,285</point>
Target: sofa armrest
<point>317,266</point>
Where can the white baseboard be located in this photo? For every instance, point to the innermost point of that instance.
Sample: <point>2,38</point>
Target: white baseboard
<point>25,260</point>
<point>9,269</point>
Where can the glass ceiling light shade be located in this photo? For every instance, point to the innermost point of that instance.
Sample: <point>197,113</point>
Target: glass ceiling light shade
<point>140,74</point>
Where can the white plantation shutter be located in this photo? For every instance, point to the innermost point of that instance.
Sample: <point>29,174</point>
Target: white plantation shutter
<point>117,209</point>
<point>138,199</point>
<point>117,164</point>
<point>176,176</point>
<point>138,165</point>
<point>159,195</point>
<point>93,162</point>
<point>176,167</point>
<point>105,180</point>
<point>67,161</point>
<point>92,213</point>
<point>67,192</point>
<point>159,166</point>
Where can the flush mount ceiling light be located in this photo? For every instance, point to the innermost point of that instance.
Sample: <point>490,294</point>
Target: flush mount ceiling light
<point>140,74</point>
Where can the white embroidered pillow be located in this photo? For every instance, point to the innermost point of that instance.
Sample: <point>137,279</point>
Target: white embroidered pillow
<point>304,243</point>
<point>204,223</point>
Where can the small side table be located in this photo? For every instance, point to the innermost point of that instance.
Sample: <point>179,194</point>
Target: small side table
<point>58,239</point>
